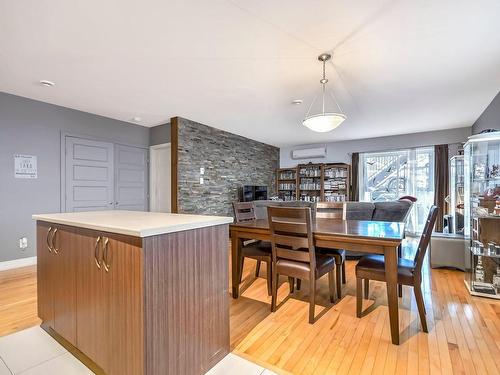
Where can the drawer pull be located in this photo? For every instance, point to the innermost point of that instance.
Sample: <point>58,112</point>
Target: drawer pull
<point>53,238</point>
<point>96,252</point>
<point>48,239</point>
<point>105,255</point>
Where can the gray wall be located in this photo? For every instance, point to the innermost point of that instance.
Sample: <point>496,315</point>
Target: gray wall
<point>341,151</point>
<point>230,161</point>
<point>34,128</point>
<point>159,134</point>
<point>490,118</point>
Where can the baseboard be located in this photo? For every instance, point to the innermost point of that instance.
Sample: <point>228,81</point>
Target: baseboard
<point>17,263</point>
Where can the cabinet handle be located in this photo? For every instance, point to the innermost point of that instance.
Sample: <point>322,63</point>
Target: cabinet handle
<point>48,239</point>
<point>105,255</point>
<point>96,252</point>
<point>54,232</point>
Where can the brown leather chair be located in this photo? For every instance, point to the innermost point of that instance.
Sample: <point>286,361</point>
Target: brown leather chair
<point>333,210</point>
<point>294,254</point>
<point>258,250</point>
<point>372,267</point>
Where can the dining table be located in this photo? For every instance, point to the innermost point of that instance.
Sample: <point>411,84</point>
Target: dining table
<point>371,237</point>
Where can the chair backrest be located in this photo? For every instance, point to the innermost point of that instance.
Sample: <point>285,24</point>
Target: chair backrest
<point>291,234</point>
<point>425,238</point>
<point>359,210</point>
<point>392,210</point>
<point>330,210</point>
<point>243,211</point>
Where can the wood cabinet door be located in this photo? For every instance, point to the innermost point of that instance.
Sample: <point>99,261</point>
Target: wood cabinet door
<point>92,298</point>
<point>44,273</point>
<point>64,282</point>
<point>123,281</point>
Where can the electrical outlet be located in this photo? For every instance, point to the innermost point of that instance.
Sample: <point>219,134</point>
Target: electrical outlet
<point>201,181</point>
<point>202,170</point>
<point>23,243</point>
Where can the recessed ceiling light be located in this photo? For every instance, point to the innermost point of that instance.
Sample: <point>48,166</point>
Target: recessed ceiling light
<point>297,101</point>
<point>137,119</point>
<point>46,83</point>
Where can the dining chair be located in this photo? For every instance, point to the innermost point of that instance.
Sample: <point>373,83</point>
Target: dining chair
<point>257,250</point>
<point>333,210</point>
<point>294,254</point>
<point>372,267</point>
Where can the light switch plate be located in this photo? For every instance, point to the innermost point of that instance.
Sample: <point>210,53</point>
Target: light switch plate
<point>201,181</point>
<point>202,170</point>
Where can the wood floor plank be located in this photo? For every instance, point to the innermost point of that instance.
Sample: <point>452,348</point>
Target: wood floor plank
<point>463,338</point>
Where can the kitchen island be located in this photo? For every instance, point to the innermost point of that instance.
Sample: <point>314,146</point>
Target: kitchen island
<point>135,292</point>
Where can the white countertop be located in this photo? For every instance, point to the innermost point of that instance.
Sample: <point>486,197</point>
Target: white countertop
<point>134,223</point>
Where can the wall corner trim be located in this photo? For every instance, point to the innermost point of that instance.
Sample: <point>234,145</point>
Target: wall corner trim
<point>17,263</point>
<point>174,159</point>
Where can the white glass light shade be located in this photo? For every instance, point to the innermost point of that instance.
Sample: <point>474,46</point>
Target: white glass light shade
<point>323,122</point>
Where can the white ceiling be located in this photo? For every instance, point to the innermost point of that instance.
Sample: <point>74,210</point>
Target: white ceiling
<point>399,66</point>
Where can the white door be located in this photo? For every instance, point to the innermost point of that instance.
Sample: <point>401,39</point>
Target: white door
<point>89,175</point>
<point>159,186</point>
<point>131,178</point>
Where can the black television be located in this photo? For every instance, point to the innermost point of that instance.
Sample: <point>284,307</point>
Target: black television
<point>251,193</point>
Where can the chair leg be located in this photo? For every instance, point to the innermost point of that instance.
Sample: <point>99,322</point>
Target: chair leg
<point>257,269</point>
<point>240,266</point>
<point>359,296</point>
<point>299,282</point>
<point>291,281</point>
<point>367,288</point>
<point>312,299</point>
<point>343,273</point>
<point>338,271</point>
<point>269,278</point>
<point>274,291</point>
<point>331,286</point>
<point>421,306</point>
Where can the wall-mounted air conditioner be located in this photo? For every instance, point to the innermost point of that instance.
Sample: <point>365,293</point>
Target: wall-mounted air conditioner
<point>309,153</point>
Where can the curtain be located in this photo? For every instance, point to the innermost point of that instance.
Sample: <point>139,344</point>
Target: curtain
<point>355,177</point>
<point>441,182</point>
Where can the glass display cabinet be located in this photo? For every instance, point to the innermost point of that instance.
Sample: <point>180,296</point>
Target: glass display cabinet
<point>482,214</point>
<point>457,194</point>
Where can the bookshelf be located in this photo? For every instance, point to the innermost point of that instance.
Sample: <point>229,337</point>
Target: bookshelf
<point>314,182</point>
<point>336,182</point>
<point>286,184</point>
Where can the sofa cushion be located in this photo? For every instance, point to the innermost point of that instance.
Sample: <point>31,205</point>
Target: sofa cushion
<point>359,210</point>
<point>392,211</point>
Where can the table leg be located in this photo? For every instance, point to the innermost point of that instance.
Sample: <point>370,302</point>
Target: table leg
<point>391,278</point>
<point>235,249</point>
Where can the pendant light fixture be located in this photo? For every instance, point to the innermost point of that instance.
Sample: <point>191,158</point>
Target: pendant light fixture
<point>324,121</point>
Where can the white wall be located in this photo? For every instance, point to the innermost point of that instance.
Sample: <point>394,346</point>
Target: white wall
<point>340,152</point>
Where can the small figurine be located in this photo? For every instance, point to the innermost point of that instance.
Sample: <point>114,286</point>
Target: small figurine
<point>495,171</point>
<point>496,209</point>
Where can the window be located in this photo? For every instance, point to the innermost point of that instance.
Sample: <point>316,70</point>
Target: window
<point>385,176</point>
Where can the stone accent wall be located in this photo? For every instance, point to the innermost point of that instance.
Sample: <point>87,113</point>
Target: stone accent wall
<point>230,161</point>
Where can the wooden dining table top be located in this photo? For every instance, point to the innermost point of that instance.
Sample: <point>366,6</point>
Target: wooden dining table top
<point>369,230</point>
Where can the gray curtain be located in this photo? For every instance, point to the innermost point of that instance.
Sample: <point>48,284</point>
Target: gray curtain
<point>441,182</point>
<point>355,177</point>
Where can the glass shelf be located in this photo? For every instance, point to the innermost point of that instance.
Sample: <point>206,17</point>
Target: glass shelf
<point>481,196</point>
<point>486,253</point>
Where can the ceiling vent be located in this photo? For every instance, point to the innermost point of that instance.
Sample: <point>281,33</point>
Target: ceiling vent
<point>309,153</point>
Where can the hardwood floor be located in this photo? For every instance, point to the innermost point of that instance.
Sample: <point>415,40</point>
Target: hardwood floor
<point>18,300</point>
<point>463,338</point>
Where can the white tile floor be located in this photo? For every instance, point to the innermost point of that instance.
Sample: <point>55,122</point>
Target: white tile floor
<point>34,352</point>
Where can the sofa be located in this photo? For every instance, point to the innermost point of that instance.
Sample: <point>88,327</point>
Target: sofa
<point>379,211</point>
<point>261,206</point>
